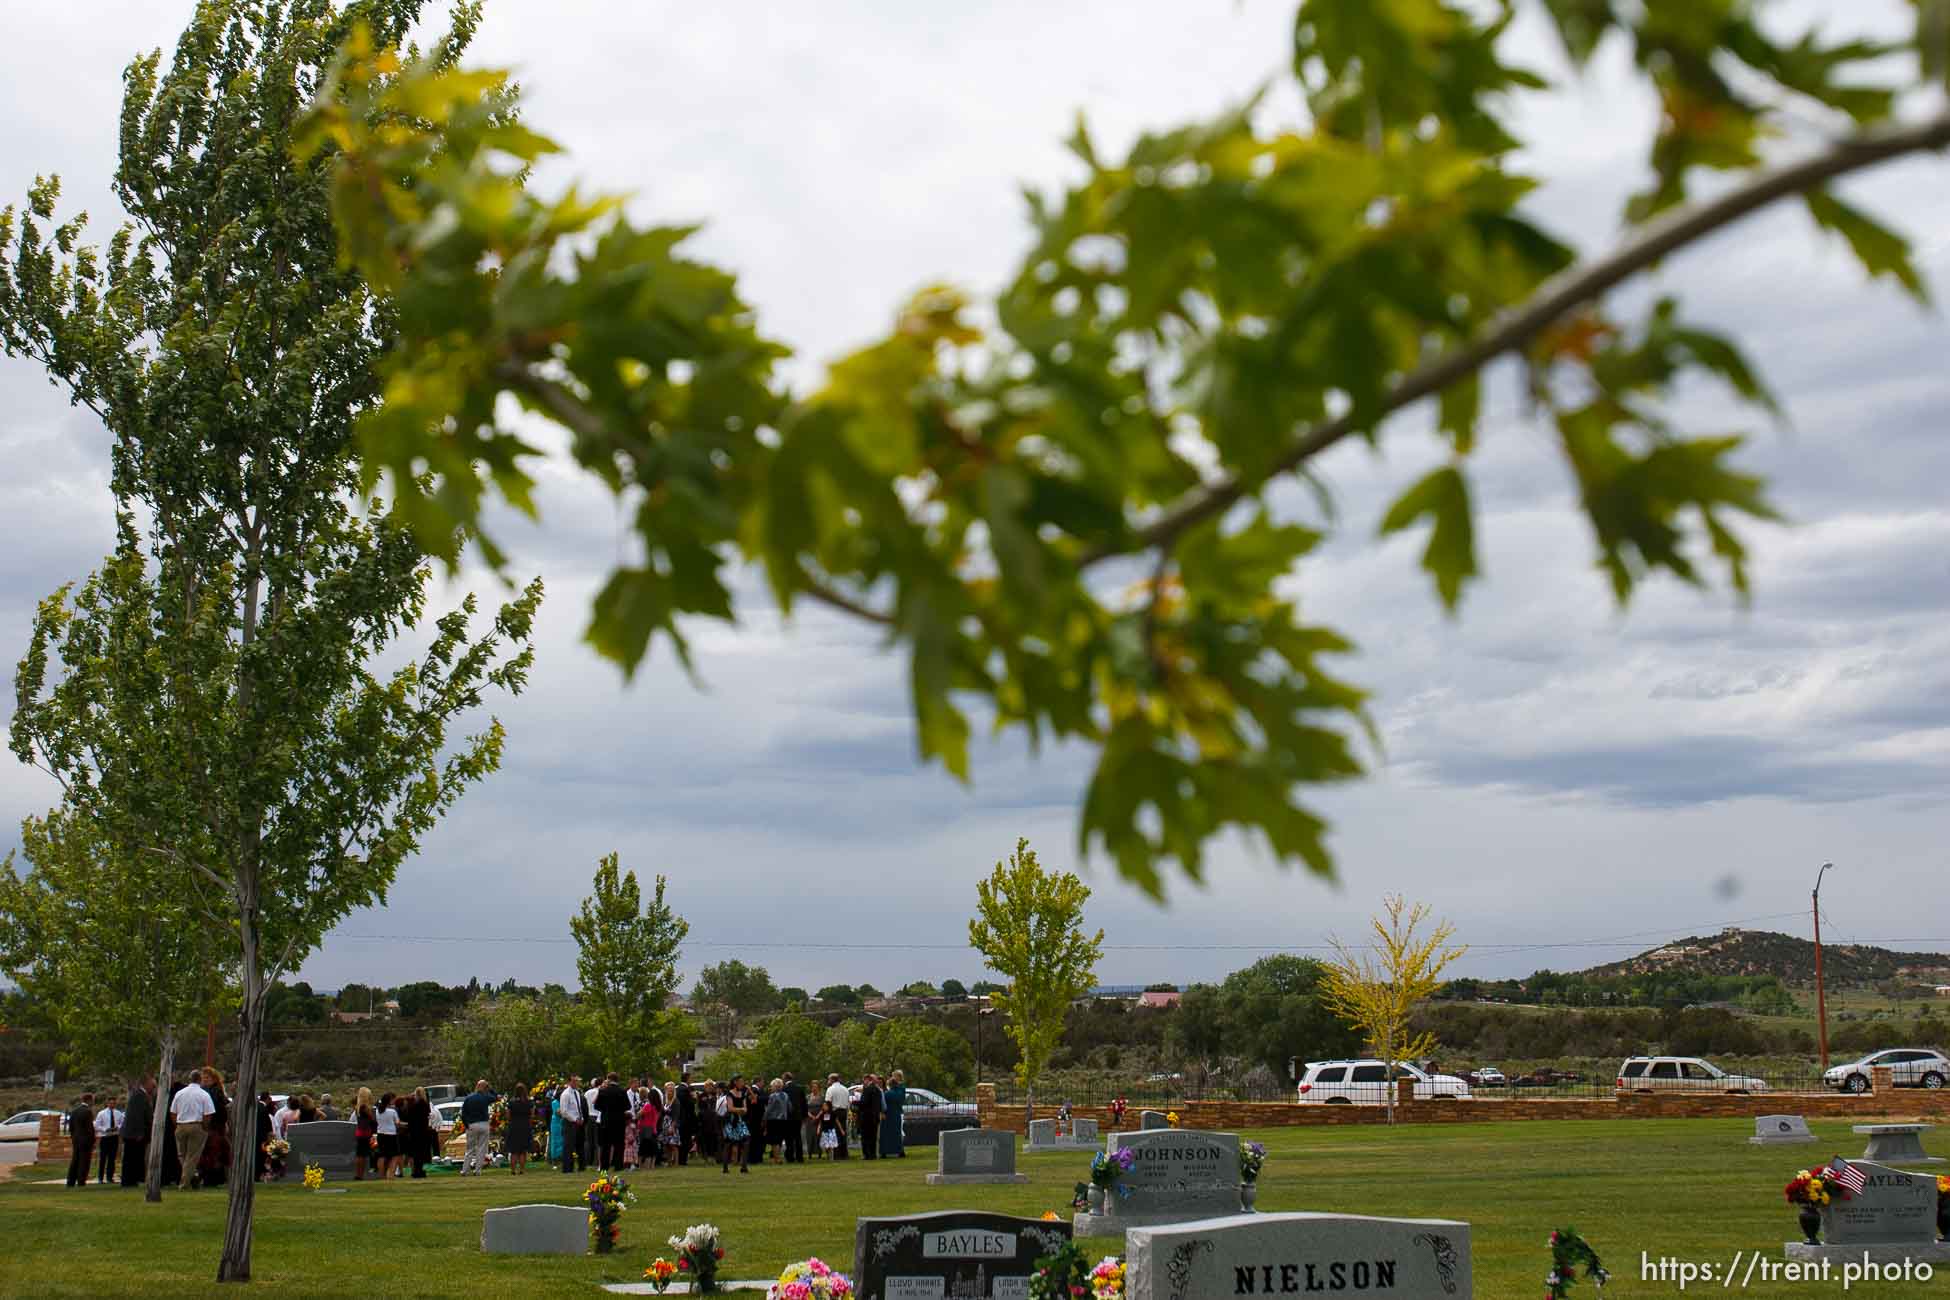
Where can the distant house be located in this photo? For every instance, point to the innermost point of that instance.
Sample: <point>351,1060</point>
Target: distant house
<point>351,1017</point>
<point>1943,990</point>
<point>1161,998</point>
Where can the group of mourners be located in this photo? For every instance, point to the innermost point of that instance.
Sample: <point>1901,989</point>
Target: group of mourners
<point>196,1133</point>
<point>612,1124</point>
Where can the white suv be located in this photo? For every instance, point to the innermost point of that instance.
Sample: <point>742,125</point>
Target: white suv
<point>1682,1074</point>
<point>1365,1083</point>
<point>1909,1067</point>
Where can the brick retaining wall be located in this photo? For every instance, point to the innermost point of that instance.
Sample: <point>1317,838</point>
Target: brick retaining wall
<point>1905,1105</point>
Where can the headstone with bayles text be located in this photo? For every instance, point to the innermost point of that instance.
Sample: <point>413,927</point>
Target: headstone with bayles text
<point>1298,1254</point>
<point>1892,1219</point>
<point>327,1143</point>
<point>1892,1144</point>
<point>951,1255</point>
<point>1176,1175</point>
<point>535,1230</point>
<point>976,1155</point>
<point>1780,1130</point>
<point>1153,1119</point>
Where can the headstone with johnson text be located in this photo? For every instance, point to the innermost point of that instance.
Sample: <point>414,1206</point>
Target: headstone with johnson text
<point>1299,1254</point>
<point>327,1143</point>
<point>1893,1218</point>
<point>951,1255</point>
<point>976,1155</point>
<point>1780,1130</point>
<point>1176,1175</point>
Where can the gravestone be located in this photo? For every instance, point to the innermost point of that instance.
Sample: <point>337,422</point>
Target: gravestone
<point>1780,1130</point>
<point>976,1155</point>
<point>1298,1254</point>
<point>1042,1132</point>
<point>1084,1132</point>
<point>1176,1176</point>
<point>951,1255</point>
<point>327,1143</point>
<point>1893,1218</point>
<point>535,1230</point>
<point>1892,1144</point>
<point>1153,1119</point>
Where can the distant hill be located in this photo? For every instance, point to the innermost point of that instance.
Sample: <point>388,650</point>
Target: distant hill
<point>1787,958</point>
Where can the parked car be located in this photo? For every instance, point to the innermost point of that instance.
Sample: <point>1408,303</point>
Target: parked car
<point>1546,1077</point>
<point>24,1126</point>
<point>1487,1076</point>
<point>445,1115</point>
<point>1909,1067</point>
<point>1365,1083</point>
<point>1682,1074</point>
<point>927,1115</point>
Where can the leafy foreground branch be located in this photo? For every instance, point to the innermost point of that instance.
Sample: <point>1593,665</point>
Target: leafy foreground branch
<point>1062,518</point>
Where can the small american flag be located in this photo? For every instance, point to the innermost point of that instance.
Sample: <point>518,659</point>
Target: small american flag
<point>1847,1175</point>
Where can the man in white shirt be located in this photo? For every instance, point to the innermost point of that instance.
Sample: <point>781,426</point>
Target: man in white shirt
<point>189,1108</point>
<point>838,1097</point>
<point>108,1135</point>
<point>568,1104</point>
<point>592,1118</point>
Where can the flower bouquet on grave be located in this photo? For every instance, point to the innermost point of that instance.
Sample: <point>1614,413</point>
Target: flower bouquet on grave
<point>607,1198</point>
<point>1107,1167</point>
<point>810,1279</point>
<point>1107,1279</point>
<point>276,1152</point>
<point>660,1273</point>
<point>498,1115</point>
<point>1063,1274</point>
<point>1812,1190</point>
<point>1568,1250</point>
<point>1943,1206</point>
<point>698,1257</point>
<point>1252,1159</point>
<point>314,1177</point>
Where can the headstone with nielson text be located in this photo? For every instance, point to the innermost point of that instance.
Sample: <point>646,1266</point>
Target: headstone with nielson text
<point>951,1255</point>
<point>1299,1254</point>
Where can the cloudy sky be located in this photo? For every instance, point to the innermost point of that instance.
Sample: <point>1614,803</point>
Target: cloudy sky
<point>1566,783</point>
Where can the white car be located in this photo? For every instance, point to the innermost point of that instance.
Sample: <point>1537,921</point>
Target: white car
<point>446,1114</point>
<point>23,1127</point>
<point>1365,1083</point>
<point>1909,1067</point>
<point>1682,1074</point>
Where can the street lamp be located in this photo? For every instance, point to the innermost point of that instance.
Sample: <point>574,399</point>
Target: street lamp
<point>1821,995</point>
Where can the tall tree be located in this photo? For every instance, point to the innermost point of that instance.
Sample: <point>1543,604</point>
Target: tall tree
<point>228,350</point>
<point>1028,926</point>
<point>1276,1009</point>
<point>118,957</point>
<point>626,958</point>
<point>1196,322</point>
<point>735,990</point>
<point>1376,986</point>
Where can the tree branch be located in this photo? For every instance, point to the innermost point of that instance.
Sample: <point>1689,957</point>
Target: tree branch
<point>826,595</point>
<point>1572,289</point>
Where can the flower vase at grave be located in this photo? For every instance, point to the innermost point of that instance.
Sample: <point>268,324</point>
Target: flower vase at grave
<point>1248,1191</point>
<point>1096,1199</point>
<point>1811,1224</point>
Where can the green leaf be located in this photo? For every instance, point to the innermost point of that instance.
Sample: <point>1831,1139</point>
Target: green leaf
<point>1880,250</point>
<point>1450,557</point>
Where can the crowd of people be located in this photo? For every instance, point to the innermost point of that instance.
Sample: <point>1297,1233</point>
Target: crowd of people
<point>615,1124</point>
<point>609,1123</point>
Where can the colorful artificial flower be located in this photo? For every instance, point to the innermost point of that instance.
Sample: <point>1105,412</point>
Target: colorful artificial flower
<point>314,1177</point>
<point>659,1274</point>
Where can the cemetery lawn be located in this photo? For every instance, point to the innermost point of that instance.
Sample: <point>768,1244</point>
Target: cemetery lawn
<point>1691,1189</point>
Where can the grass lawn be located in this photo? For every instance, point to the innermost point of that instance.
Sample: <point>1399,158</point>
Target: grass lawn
<point>1691,1189</point>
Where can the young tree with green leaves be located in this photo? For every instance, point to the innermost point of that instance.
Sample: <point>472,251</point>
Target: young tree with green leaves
<point>1194,325</point>
<point>626,959</point>
<point>228,350</point>
<point>1377,986</point>
<point>1028,926</point>
<point>733,991</point>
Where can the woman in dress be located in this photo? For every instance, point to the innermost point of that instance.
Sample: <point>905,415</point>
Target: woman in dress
<point>732,1131</point>
<point>829,1130</point>
<point>520,1136</point>
<point>214,1167</point>
<point>892,1098</point>
<point>649,1127</point>
<point>365,1125</point>
<point>668,1132</point>
<point>630,1148</point>
<point>385,1136</point>
<point>416,1116</point>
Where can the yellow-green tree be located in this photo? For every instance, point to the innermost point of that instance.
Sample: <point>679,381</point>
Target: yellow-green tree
<point>1376,986</point>
<point>1028,924</point>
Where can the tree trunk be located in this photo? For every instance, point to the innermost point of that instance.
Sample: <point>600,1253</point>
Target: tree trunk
<point>159,1119</point>
<point>235,1263</point>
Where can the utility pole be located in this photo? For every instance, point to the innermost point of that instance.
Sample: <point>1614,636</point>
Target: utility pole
<point>1821,994</point>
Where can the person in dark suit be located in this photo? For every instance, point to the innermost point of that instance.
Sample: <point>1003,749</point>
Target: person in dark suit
<point>866,1117</point>
<point>81,1140</point>
<point>569,1106</point>
<point>136,1118</point>
<point>795,1136</point>
<point>613,1104</point>
<point>686,1119</point>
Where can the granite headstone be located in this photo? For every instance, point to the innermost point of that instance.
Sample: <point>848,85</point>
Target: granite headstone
<point>1042,1132</point>
<point>1892,1218</point>
<point>951,1255</point>
<point>1153,1119</point>
<point>976,1155</point>
<point>535,1230</point>
<point>327,1143</point>
<point>1780,1130</point>
<point>1176,1175</point>
<point>1298,1254</point>
<point>1085,1131</point>
<point>1897,1144</point>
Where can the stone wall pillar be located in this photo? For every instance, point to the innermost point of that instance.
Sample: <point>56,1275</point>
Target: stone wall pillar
<point>1882,1080</point>
<point>985,1105</point>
